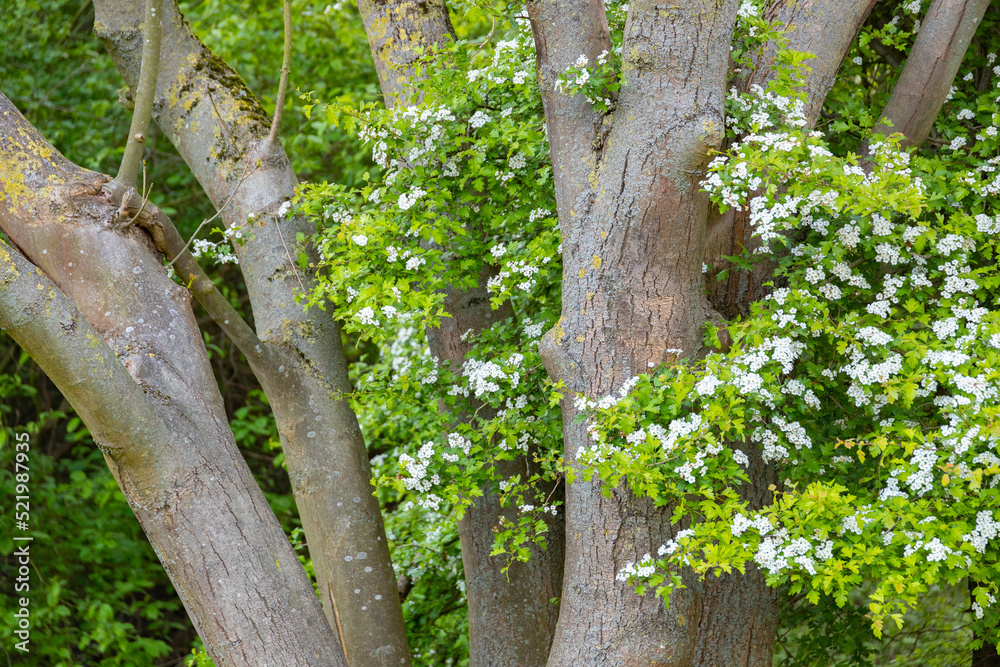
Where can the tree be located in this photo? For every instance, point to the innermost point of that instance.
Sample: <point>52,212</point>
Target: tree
<point>633,113</point>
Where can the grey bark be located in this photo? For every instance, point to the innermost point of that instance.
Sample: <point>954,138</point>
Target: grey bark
<point>219,127</point>
<point>396,29</point>
<point>633,225</point>
<point>511,617</point>
<point>946,31</point>
<point>119,338</point>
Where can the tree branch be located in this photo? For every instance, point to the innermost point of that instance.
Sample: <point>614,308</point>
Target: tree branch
<point>169,241</point>
<point>826,29</point>
<point>144,95</point>
<point>46,324</point>
<point>563,32</point>
<point>69,227</point>
<point>195,92</point>
<point>426,21</point>
<point>937,53</point>
<point>286,66</point>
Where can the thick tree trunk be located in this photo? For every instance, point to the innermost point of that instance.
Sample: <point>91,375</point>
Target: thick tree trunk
<point>633,223</point>
<point>511,617</point>
<point>174,454</point>
<point>219,128</point>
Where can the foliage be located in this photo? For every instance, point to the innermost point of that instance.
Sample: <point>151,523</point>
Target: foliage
<point>868,379</point>
<point>884,269</point>
<point>456,206</point>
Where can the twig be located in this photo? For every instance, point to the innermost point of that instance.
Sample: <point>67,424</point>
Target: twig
<point>549,497</point>
<point>277,225</point>
<point>340,627</point>
<point>145,92</point>
<point>170,243</point>
<point>489,37</point>
<point>243,177</point>
<point>144,197</point>
<point>221,121</point>
<point>286,66</point>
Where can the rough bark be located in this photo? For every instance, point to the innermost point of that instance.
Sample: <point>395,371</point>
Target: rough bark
<point>633,224</point>
<point>130,358</point>
<point>563,32</point>
<point>945,34</point>
<point>397,30</point>
<point>826,29</point>
<point>219,127</point>
<point>511,618</point>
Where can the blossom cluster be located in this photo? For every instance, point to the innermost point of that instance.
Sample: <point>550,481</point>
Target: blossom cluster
<point>869,375</point>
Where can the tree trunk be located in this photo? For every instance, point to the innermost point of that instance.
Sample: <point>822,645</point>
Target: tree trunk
<point>511,617</point>
<point>396,29</point>
<point>172,453</point>
<point>633,240</point>
<point>219,128</point>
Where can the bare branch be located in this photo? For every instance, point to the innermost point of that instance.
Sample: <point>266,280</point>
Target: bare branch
<point>246,172</point>
<point>144,96</point>
<point>286,66</point>
<point>945,34</point>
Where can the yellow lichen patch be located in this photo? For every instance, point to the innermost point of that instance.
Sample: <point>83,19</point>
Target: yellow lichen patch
<point>24,152</point>
<point>12,187</point>
<point>583,272</point>
<point>9,270</point>
<point>558,332</point>
<point>595,262</point>
<point>173,94</point>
